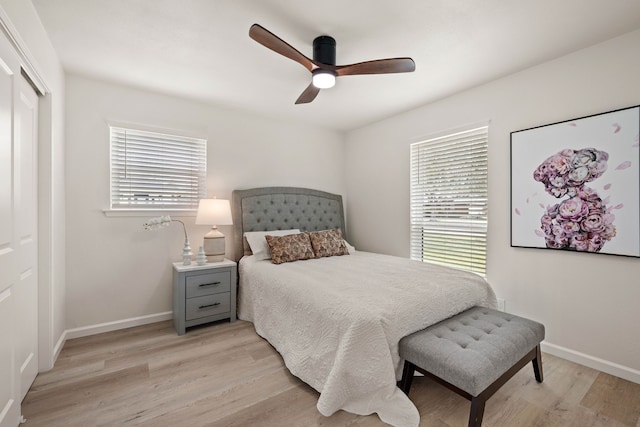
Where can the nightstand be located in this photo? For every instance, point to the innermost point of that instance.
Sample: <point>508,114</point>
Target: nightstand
<point>203,293</point>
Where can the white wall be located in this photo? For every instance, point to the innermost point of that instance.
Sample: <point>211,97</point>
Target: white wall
<point>589,303</point>
<point>51,233</point>
<point>117,271</point>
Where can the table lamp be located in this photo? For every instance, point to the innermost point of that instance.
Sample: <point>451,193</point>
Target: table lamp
<point>214,212</point>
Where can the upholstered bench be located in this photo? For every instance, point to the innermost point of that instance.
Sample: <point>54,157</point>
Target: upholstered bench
<point>473,353</point>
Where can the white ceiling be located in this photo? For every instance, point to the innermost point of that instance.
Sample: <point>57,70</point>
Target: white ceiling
<point>200,49</point>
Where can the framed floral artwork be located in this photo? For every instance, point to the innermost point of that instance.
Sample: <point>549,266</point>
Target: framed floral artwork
<point>575,185</point>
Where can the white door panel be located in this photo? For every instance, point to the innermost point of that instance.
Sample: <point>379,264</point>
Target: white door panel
<point>25,206</point>
<point>9,369</point>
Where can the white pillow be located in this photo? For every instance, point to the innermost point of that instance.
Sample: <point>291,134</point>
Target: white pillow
<point>350,248</point>
<point>258,243</point>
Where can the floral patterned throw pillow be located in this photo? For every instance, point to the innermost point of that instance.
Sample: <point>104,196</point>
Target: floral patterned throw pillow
<point>293,247</point>
<point>328,243</point>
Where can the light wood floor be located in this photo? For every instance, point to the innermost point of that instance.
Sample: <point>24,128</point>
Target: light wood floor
<point>226,375</point>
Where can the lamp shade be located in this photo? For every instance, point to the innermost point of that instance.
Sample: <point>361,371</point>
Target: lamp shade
<point>214,212</point>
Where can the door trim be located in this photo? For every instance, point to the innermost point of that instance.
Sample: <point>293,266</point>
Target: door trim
<point>28,61</point>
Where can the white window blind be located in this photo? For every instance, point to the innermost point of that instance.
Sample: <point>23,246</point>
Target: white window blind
<point>156,171</point>
<point>449,200</point>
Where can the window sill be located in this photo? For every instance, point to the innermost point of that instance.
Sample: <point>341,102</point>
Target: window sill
<point>146,213</point>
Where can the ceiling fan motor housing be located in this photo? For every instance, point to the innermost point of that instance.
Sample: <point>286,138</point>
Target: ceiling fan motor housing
<point>324,50</point>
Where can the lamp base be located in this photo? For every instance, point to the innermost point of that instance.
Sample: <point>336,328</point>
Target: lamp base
<point>214,247</point>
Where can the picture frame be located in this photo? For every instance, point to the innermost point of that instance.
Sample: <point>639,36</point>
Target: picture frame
<point>575,184</point>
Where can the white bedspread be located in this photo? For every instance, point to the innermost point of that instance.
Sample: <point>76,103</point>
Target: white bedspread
<point>337,322</point>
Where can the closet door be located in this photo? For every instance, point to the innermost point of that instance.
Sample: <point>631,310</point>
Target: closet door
<point>18,235</point>
<point>9,276</point>
<point>25,204</point>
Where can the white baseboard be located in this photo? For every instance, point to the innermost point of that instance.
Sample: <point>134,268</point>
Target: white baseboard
<point>621,371</point>
<point>116,325</point>
<point>58,347</point>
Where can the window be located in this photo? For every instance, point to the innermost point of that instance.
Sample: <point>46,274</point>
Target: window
<point>156,171</point>
<point>449,200</point>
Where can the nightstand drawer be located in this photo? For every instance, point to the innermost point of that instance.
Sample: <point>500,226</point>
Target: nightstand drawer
<point>207,284</point>
<point>207,306</point>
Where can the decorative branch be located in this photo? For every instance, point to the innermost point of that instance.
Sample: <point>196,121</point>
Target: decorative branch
<point>164,221</point>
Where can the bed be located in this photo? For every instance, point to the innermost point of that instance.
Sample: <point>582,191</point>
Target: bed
<point>337,320</point>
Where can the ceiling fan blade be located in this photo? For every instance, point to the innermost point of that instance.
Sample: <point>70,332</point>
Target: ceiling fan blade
<point>308,95</point>
<point>378,66</point>
<point>276,44</point>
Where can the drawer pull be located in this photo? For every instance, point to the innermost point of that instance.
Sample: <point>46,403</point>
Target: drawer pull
<point>209,284</point>
<point>208,305</point>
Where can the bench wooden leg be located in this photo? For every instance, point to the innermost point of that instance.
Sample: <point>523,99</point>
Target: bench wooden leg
<point>407,376</point>
<point>537,365</point>
<point>477,411</point>
<point>477,402</point>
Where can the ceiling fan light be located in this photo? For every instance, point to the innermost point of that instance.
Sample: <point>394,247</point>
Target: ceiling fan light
<point>323,79</point>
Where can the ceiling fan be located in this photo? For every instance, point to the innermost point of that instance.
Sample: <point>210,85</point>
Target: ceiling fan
<point>323,65</point>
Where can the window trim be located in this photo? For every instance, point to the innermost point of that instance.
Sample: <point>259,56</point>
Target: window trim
<point>115,213</point>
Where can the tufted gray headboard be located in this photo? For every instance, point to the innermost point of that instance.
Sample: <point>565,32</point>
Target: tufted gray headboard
<point>282,208</point>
